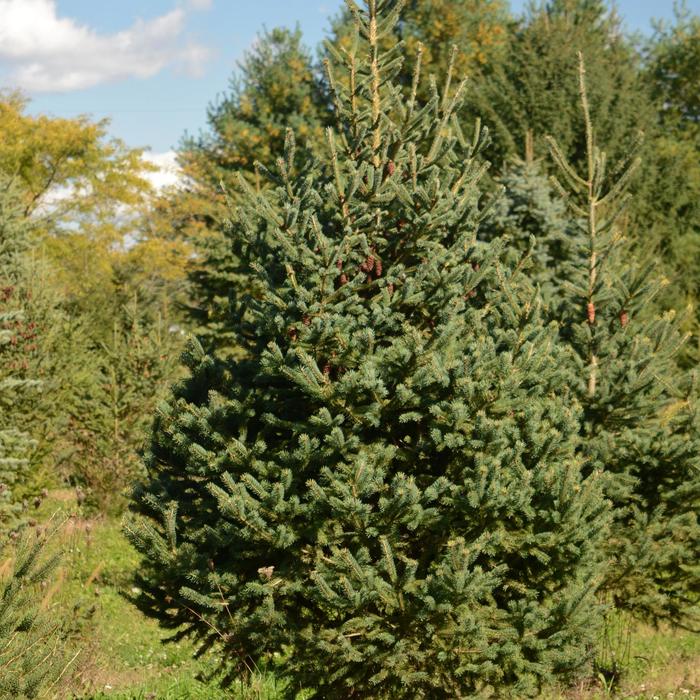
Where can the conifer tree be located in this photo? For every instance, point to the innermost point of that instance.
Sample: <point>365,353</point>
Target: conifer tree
<point>529,208</point>
<point>383,488</point>
<point>15,334</point>
<point>640,422</point>
<point>31,657</point>
<point>533,90</point>
<point>111,421</point>
<point>674,205</point>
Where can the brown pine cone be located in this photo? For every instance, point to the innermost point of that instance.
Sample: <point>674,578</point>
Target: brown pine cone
<point>590,311</point>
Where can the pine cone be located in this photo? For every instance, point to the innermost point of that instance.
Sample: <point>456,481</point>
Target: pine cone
<point>590,311</point>
<point>624,318</point>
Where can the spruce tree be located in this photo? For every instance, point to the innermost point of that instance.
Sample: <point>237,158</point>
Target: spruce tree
<point>528,210</point>
<point>15,336</point>
<point>383,486</point>
<point>640,422</point>
<point>533,91</point>
<point>31,655</point>
<point>111,420</point>
<point>28,640</point>
<point>671,72</point>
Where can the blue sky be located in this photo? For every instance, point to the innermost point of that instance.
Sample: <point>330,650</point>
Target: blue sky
<point>152,66</point>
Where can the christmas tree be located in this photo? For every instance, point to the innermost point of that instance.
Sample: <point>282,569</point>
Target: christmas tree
<point>383,487</point>
<point>533,91</point>
<point>640,420</point>
<point>111,421</point>
<point>479,28</point>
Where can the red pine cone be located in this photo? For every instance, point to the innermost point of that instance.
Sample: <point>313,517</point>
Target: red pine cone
<point>390,168</point>
<point>378,267</point>
<point>624,318</point>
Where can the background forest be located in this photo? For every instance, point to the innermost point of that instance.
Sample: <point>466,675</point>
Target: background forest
<point>251,444</point>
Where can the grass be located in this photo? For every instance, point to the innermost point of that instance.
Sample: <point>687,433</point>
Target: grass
<point>122,654</point>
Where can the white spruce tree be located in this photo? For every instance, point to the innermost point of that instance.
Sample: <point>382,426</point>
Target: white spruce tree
<point>384,486</point>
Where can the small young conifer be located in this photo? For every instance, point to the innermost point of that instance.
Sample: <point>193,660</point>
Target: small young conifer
<point>383,487</point>
<point>31,654</point>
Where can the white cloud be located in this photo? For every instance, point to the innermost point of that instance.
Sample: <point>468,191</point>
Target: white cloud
<point>42,52</point>
<point>200,4</point>
<point>168,173</point>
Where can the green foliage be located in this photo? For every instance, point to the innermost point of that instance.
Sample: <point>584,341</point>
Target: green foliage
<point>31,657</point>
<point>533,91</point>
<point>673,201</point>
<point>384,485</point>
<point>672,59</point>
<point>110,422</point>
<point>433,28</point>
<point>15,336</point>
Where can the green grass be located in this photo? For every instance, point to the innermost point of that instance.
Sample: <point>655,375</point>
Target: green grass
<point>122,654</point>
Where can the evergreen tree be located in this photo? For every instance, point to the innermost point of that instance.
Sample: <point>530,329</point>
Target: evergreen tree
<point>28,640</point>
<point>640,422</point>
<point>30,649</point>
<point>15,335</point>
<point>275,88</point>
<point>533,91</point>
<point>383,487</point>
<point>528,208</point>
<point>111,420</point>
<point>672,59</point>
<point>671,71</point>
